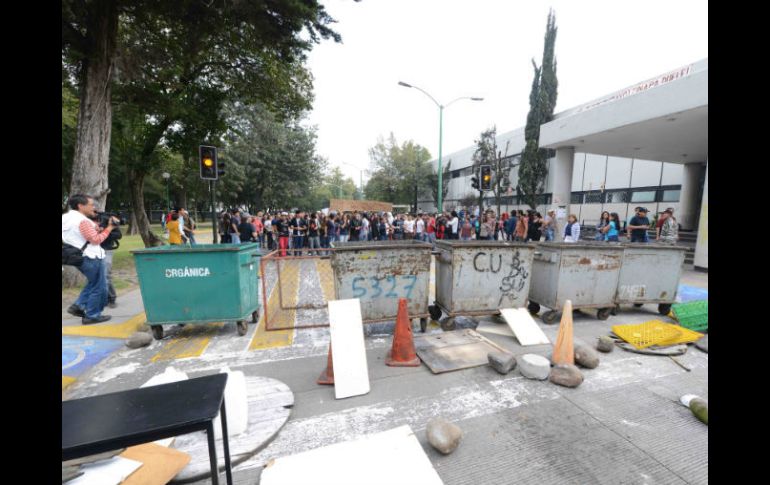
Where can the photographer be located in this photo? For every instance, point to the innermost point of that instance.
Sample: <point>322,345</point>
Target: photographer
<point>79,231</point>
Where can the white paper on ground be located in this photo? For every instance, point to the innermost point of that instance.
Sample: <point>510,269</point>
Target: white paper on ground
<point>107,472</point>
<point>524,327</point>
<point>351,373</point>
<point>236,405</point>
<point>168,376</point>
<point>495,328</point>
<point>393,456</point>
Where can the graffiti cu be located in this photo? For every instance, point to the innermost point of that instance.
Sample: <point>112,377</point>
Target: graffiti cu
<point>479,262</point>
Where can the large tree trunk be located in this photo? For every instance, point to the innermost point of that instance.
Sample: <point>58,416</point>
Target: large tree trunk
<point>132,229</point>
<point>92,147</point>
<point>136,183</point>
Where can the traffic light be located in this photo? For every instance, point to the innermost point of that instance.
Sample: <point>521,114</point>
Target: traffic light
<point>220,168</point>
<point>486,177</point>
<point>208,159</point>
<point>475,182</point>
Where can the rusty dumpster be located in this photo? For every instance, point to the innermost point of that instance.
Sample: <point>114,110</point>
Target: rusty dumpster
<point>379,273</point>
<point>586,273</point>
<point>650,273</point>
<point>476,278</point>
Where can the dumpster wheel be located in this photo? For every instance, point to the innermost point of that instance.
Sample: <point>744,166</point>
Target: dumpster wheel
<point>534,308</point>
<point>435,312</point>
<point>242,327</point>
<point>664,308</point>
<point>255,316</point>
<point>603,313</point>
<point>638,305</point>
<point>549,317</point>
<point>157,331</point>
<point>423,325</point>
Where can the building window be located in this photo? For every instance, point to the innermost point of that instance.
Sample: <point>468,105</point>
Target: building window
<point>576,198</point>
<point>617,197</point>
<point>594,198</point>
<point>643,196</point>
<point>670,196</point>
<point>456,174</point>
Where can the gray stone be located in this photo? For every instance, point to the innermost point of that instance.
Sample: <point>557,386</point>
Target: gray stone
<point>605,344</point>
<point>144,328</point>
<point>534,366</point>
<point>502,362</point>
<point>138,340</point>
<point>443,435</point>
<point>586,357</point>
<point>703,343</point>
<point>566,375</point>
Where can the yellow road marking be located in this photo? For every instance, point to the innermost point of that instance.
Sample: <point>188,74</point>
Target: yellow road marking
<point>66,381</point>
<point>107,330</point>
<point>280,318</point>
<point>190,342</point>
<point>324,270</point>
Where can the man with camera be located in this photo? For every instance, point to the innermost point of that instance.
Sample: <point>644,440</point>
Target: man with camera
<point>79,231</point>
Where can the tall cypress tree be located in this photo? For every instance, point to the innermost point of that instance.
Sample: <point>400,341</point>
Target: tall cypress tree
<point>542,101</point>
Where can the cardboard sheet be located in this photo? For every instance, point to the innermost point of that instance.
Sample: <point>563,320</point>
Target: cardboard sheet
<point>160,464</point>
<point>455,350</point>
<point>351,373</point>
<point>387,458</point>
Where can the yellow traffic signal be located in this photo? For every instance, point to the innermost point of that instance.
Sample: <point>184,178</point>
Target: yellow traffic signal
<point>208,160</point>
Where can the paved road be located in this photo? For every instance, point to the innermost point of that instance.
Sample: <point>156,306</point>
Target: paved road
<point>622,425</point>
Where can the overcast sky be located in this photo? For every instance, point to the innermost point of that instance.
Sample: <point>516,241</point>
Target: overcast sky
<point>481,48</point>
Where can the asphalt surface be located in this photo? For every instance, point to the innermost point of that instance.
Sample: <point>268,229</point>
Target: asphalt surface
<point>622,425</point>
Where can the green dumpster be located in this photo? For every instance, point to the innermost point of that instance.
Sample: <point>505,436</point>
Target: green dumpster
<point>201,284</point>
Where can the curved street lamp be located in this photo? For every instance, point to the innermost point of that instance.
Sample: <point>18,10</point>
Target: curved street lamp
<point>440,205</point>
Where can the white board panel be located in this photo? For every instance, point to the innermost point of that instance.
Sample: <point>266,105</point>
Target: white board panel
<point>351,373</point>
<point>524,327</point>
<point>390,457</point>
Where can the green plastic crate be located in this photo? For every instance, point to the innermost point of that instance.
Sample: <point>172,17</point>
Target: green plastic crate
<point>693,315</point>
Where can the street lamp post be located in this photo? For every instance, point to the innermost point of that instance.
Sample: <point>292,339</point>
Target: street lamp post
<point>361,179</point>
<point>440,136</point>
<point>167,176</point>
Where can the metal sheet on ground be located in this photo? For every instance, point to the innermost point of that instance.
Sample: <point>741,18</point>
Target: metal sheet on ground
<point>351,373</point>
<point>270,402</point>
<point>393,456</point>
<point>524,327</point>
<point>455,350</point>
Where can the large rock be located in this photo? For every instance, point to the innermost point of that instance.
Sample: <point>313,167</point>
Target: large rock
<point>502,362</point>
<point>605,344</point>
<point>138,340</point>
<point>443,435</point>
<point>534,366</point>
<point>703,343</point>
<point>566,375</point>
<point>586,357</point>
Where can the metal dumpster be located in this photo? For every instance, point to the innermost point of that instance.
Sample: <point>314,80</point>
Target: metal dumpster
<point>479,277</point>
<point>586,273</point>
<point>381,272</point>
<point>650,273</point>
<point>202,284</point>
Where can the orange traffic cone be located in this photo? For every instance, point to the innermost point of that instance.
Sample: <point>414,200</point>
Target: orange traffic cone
<point>563,349</point>
<point>402,353</point>
<point>327,376</point>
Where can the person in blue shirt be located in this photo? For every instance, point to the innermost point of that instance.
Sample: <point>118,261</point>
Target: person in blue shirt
<point>638,226</point>
<point>612,229</point>
<point>510,226</point>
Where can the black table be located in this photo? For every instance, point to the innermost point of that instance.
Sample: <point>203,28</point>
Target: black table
<point>112,421</point>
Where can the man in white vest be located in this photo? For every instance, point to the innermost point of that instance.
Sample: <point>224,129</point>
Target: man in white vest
<point>77,229</point>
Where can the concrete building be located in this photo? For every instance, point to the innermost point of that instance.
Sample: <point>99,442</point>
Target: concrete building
<point>644,145</point>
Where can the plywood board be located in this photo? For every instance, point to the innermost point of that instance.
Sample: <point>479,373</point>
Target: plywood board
<point>495,328</point>
<point>160,464</point>
<point>455,350</point>
<point>390,457</point>
<point>351,373</point>
<point>524,326</point>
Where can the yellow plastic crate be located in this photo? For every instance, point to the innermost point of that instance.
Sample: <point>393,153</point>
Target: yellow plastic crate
<point>655,332</point>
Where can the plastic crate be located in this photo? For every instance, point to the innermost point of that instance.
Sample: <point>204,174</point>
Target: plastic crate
<point>693,315</point>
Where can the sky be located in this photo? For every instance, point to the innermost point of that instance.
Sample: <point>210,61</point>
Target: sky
<point>480,48</point>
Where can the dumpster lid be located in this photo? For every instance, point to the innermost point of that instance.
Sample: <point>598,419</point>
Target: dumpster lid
<point>199,248</point>
<point>581,245</point>
<point>400,244</point>
<point>655,246</point>
<point>454,243</point>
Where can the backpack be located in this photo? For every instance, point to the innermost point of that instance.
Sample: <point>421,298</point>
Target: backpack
<point>72,255</point>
